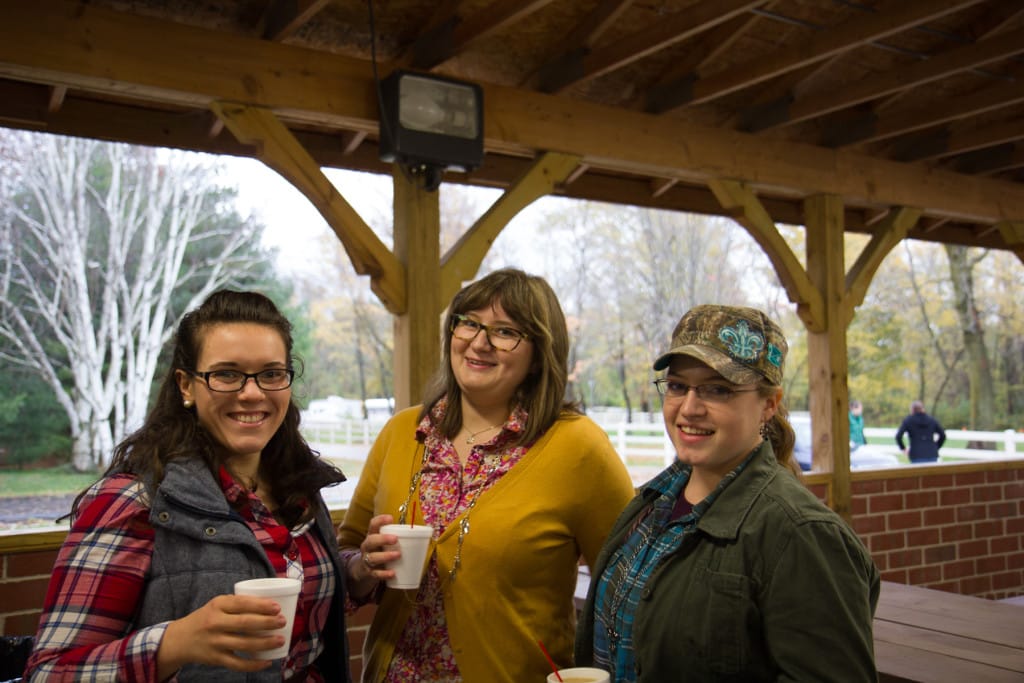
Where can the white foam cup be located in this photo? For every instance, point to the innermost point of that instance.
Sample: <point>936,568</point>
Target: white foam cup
<point>413,542</point>
<point>286,593</point>
<point>581,674</point>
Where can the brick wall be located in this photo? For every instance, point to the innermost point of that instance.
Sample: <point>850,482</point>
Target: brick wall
<point>954,527</point>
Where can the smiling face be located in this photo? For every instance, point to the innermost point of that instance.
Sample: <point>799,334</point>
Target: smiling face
<point>242,422</point>
<point>713,437</point>
<point>487,375</point>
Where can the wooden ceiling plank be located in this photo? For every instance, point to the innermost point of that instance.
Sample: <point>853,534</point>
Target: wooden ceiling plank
<point>133,56</point>
<point>479,26</point>
<point>946,143</point>
<point>569,70</point>
<point>844,37</point>
<point>284,17</point>
<point>921,116</point>
<point>914,75</point>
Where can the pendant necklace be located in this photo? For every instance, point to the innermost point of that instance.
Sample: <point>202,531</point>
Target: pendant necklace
<point>471,439</point>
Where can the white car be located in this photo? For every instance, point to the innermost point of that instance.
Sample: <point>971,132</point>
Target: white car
<point>860,456</point>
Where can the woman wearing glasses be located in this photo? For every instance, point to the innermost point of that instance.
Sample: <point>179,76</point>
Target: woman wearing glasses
<point>725,567</point>
<point>217,486</point>
<point>516,484</point>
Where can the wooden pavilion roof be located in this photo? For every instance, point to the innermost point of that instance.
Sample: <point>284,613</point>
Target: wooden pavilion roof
<point>886,104</point>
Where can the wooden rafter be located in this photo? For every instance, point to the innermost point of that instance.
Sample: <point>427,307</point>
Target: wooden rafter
<point>823,45</point>
<point>946,143</point>
<point>575,68</point>
<point>283,18</point>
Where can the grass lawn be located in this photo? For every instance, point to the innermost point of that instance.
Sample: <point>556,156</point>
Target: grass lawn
<point>43,482</point>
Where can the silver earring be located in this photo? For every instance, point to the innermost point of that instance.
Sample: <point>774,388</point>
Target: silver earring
<point>187,403</point>
<point>764,430</point>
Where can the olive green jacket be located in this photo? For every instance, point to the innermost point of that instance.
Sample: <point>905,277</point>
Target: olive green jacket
<point>771,586</point>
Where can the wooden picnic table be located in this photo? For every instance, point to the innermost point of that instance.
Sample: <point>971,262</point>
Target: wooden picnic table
<point>923,634</point>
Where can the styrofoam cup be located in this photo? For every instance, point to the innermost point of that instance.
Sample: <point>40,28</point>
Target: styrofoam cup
<point>581,674</point>
<point>413,541</point>
<point>286,593</point>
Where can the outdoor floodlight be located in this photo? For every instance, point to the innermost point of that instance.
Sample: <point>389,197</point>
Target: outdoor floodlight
<point>431,124</point>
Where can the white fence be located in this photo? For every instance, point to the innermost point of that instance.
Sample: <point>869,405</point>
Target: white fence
<point>644,444</point>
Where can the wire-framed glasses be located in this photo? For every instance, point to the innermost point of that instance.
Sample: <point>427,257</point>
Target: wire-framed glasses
<point>711,393</point>
<point>501,338</point>
<point>273,379</point>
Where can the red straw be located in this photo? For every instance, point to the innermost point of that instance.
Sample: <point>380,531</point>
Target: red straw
<point>554,667</point>
<point>412,515</point>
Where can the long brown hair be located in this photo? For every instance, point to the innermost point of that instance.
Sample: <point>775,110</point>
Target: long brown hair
<point>533,306</point>
<point>779,431</point>
<point>172,431</point>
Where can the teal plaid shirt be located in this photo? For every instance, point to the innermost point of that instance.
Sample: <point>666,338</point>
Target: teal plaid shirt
<point>655,537</point>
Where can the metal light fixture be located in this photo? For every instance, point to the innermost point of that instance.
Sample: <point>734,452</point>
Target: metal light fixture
<point>430,124</point>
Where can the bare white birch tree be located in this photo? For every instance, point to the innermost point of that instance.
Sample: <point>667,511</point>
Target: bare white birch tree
<point>104,246</point>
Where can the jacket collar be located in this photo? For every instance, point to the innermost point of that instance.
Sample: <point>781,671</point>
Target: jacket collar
<point>725,517</point>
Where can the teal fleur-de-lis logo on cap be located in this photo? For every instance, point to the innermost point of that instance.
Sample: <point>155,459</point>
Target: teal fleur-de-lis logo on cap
<point>741,341</point>
<point>775,355</point>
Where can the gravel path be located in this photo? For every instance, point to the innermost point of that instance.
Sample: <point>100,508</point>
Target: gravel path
<point>32,511</point>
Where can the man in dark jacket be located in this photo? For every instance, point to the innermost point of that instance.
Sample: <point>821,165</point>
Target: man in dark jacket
<point>921,430</point>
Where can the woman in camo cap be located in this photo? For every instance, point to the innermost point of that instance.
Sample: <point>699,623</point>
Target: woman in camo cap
<point>725,567</point>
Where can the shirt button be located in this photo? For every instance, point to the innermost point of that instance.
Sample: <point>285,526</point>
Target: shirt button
<point>164,516</point>
<point>210,531</point>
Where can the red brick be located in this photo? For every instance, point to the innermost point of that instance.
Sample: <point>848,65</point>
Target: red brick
<point>986,494</point>
<point>970,513</point>
<point>1000,475</point>
<point>965,479</point>
<point>925,574</point>
<point>960,532</point>
<point>1004,544</point>
<point>904,520</point>
<point>23,595</point>
<point>905,558</point>
<point>1013,490</point>
<point>866,488</point>
<point>40,563</point>
<point>991,564</point>
<point>1015,525</point>
<point>987,529</point>
<point>895,575</point>
<point>920,499</point>
<point>972,549</point>
<point>1002,510</point>
<point>905,484</point>
<point>884,542</point>
<point>936,481</point>
<point>939,516</point>
<point>858,506</point>
<point>955,496</point>
<point>939,554</point>
<point>1013,581</point>
<point>958,570</point>
<point>920,537</point>
<point>947,586</point>
<point>1015,561</point>
<point>868,524</point>
<point>976,585</point>
<point>886,502</point>
<point>21,624</point>
<point>362,616</point>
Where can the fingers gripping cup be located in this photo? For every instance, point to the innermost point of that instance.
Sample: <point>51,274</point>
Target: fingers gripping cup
<point>413,541</point>
<point>286,593</point>
<point>580,674</point>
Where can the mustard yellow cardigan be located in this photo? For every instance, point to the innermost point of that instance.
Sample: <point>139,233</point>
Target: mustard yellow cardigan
<point>518,572</point>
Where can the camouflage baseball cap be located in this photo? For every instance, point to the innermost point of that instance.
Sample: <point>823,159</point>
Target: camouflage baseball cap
<point>742,344</point>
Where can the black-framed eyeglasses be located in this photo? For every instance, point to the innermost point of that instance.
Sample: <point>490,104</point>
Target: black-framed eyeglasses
<point>501,338</point>
<point>274,379</point>
<point>712,393</point>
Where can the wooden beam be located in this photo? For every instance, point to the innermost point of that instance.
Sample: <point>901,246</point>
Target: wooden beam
<point>464,258</point>
<point>745,208</point>
<point>1013,234</point>
<point>888,233</point>
<point>279,149</point>
<point>847,36</point>
<point>135,57</point>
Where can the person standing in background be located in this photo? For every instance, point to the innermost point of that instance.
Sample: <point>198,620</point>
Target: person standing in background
<point>924,433</point>
<point>856,425</point>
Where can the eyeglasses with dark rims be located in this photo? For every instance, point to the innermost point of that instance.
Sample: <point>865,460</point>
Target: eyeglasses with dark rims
<point>273,379</point>
<point>500,337</point>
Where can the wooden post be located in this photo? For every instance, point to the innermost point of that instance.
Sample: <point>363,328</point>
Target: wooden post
<point>417,234</point>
